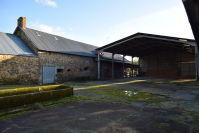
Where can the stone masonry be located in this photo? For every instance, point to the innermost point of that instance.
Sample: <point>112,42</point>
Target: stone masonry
<point>18,69</point>
<point>19,33</point>
<point>69,67</point>
<point>72,66</point>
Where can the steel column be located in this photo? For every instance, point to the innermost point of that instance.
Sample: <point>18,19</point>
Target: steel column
<point>99,65</point>
<point>113,65</point>
<point>123,66</point>
<point>197,63</point>
<point>132,67</point>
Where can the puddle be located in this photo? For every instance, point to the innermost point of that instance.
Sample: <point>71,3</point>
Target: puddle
<point>82,119</point>
<point>129,93</point>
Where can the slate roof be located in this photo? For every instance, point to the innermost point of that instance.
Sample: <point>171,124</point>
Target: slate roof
<point>49,42</point>
<point>12,45</point>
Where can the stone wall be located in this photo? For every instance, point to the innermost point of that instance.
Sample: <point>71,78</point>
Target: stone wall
<point>20,33</point>
<point>70,66</point>
<point>73,66</point>
<point>18,69</point>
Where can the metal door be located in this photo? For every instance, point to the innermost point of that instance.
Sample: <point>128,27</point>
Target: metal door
<point>48,74</point>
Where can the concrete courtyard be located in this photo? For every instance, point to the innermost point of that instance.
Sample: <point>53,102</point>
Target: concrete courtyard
<point>96,109</point>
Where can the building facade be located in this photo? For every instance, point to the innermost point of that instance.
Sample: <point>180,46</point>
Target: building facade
<point>56,59</point>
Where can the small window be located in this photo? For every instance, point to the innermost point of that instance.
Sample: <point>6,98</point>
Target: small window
<point>69,70</point>
<point>38,34</point>
<point>86,68</point>
<point>59,70</point>
<point>55,38</point>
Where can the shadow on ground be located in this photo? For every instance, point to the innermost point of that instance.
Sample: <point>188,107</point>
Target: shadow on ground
<point>177,114</point>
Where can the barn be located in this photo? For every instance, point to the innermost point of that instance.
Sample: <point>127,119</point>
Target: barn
<point>30,56</point>
<point>159,56</point>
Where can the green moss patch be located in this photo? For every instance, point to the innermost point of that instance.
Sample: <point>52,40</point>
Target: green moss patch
<point>14,114</point>
<point>29,98</point>
<point>19,91</point>
<point>22,96</point>
<point>119,95</point>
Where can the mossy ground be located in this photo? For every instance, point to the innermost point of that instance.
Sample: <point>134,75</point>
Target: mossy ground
<point>114,94</point>
<point>127,96</point>
<point>4,87</point>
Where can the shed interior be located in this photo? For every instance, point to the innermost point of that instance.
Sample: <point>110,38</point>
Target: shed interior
<point>159,56</point>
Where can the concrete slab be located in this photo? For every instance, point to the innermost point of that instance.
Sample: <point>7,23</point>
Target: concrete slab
<point>185,96</point>
<point>93,116</point>
<point>84,116</point>
<point>147,124</point>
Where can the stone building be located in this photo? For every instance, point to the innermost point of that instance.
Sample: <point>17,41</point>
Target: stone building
<point>30,56</point>
<point>18,64</point>
<point>50,58</point>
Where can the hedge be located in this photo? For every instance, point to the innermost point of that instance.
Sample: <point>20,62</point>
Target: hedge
<point>24,99</point>
<point>19,91</point>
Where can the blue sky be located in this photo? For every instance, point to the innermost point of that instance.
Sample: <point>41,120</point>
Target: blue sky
<point>97,22</point>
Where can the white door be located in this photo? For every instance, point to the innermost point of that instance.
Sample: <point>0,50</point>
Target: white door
<point>48,74</point>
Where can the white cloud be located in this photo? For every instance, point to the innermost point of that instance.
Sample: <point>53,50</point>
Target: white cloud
<point>70,28</point>
<point>47,3</point>
<point>172,22</point>
<point>56,30</point>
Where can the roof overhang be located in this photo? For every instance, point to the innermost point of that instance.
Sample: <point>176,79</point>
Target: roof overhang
<point>141,44</point>
<point>192,10</point>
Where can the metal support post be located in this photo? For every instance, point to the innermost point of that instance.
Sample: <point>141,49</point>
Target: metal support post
<point>132,67</point>
<point>98,64</point>
<point>197,63</point>
<point>113,65</point>
<point>123,66</point>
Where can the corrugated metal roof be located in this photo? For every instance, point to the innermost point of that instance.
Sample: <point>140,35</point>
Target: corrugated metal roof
<point>12,45</point>
<point>143,44</point>
<point>48,42</point>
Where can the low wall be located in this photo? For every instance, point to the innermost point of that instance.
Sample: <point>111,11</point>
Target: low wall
<point>29,98</point>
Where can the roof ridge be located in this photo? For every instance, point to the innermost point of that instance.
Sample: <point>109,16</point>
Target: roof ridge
<point>8,33</point>
<point>62,37</point>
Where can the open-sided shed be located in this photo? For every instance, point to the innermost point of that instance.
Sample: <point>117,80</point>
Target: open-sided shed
<point>159,56</point>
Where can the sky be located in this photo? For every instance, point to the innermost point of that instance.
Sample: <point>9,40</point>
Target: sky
<point>97,22</point>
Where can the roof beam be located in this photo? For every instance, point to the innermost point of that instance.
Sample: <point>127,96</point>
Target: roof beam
<point>131,47</point>
<point>151,37</point>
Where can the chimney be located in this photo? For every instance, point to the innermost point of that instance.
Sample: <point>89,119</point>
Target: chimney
<point>22,22</point>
